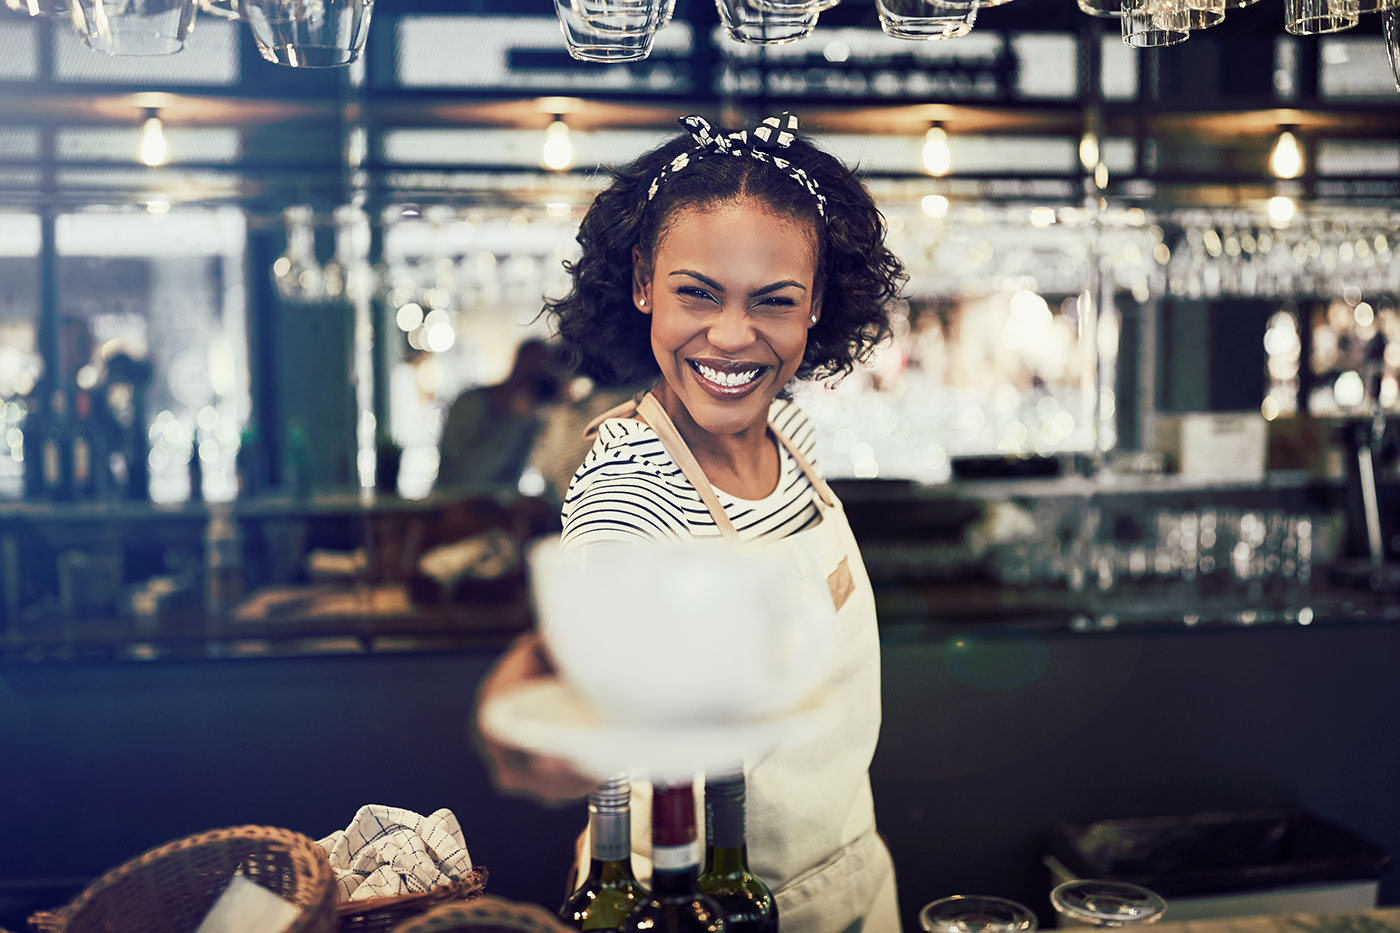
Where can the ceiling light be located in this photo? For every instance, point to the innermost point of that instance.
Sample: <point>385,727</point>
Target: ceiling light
<point>153,148</point>
<point>1286,160</point>
<point>937,157</point>
<point>557,153</point>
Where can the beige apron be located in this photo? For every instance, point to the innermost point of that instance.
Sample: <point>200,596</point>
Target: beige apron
<point>811,820</point>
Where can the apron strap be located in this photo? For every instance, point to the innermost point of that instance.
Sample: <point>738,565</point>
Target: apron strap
<point>660,422</point>
<point>828,497</point>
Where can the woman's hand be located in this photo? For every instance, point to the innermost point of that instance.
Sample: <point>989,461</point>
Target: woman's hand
<point>517,771</point>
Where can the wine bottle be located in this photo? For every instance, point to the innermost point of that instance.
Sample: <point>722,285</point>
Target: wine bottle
<point>58,453</point>
<point>610,891</point>
<point>35,431</point>
<point>196,468</point>
<point>676,904</point>
<point>747,903</point>
<point>84,456</point>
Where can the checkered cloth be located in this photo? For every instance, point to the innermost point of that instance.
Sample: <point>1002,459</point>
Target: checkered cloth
<point>389,850</point>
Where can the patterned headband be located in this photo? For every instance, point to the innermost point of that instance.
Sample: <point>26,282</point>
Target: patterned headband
<point>764,142</point>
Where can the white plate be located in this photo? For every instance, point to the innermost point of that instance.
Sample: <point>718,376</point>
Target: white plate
<point>548,717</point>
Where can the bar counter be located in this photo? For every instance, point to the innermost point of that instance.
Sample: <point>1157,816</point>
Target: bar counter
<point>1006,710</point>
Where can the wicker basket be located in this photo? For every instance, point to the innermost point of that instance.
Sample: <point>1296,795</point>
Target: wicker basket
<point>170,888</point>
<point>485,915</point>
<point>383,914</point>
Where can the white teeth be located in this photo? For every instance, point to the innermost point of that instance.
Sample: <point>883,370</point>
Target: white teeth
<point>726,379</point>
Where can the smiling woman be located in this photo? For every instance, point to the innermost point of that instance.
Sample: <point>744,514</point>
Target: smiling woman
<point>719,268</point>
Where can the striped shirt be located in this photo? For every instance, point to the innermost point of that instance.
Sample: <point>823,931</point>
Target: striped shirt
<point>628,487</point>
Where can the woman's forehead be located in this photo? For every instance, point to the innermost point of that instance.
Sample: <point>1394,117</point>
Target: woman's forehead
<point>737,226</point>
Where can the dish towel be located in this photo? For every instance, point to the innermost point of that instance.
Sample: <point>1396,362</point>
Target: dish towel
<point>388,850</point>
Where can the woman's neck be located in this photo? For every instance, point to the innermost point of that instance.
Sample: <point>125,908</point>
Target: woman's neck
<point>744,464</point>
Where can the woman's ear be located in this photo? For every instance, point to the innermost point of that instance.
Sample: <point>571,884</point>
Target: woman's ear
<point>641,282</point>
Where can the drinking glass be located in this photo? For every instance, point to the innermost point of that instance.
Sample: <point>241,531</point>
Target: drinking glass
<point>225,9</point>
<point>1390,25</point>
<point>622,17</point>
<point>1190,15</point>
<point>976,914</point>
<point>1377,6</point>
<point>309,33</point>
<point>747,21</point>
<point>1102,8</point>
<point>625,42</point>
<point>926,19</point>
<point>1318,17</point>
<point>788,6</point>
<point>1108,904</point>
<point>39,7</point>
<point>1144,29</point>
<point>134,27</point>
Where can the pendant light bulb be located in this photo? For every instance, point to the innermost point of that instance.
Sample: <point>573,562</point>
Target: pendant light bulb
<point>938,160</point>
<point>153,148</point>
<point>557,153</point>
<point>1089,151</point>
<point>1286,160</point>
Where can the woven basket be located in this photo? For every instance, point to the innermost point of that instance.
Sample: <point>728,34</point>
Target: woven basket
<point>170,888</point>
<point>383,914</point>
<point>485,915</point>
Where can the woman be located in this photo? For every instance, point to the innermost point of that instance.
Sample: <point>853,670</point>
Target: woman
<point>723,266</point>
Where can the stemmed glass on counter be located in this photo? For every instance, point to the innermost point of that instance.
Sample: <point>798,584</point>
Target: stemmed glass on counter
<point>1106,904</point>
<point>964,913</point>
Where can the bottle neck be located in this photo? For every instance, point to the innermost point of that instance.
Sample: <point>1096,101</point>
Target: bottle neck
<point>726,860</point>
<point>675,853</point>
<point>726,848</point>
<point>610,872</point>
<point>610,824</point>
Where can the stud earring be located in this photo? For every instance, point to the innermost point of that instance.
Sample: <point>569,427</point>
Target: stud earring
<point>814,319</point>
<point>641,302</point>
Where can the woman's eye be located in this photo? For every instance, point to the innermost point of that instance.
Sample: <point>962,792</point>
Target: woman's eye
<point>692,292</point>
<point>779,301</point>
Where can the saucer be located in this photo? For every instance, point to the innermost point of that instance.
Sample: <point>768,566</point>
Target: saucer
<point>548,717</point>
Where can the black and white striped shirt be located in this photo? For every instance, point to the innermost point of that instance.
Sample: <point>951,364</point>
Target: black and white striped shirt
<point>628,487</point>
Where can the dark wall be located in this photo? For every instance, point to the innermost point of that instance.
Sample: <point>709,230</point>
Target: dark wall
<point>987,741</point>
<point>990,739</point>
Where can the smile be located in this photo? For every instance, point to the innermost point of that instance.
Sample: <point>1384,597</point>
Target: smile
<point>723,378</point>
<point>729,381</point>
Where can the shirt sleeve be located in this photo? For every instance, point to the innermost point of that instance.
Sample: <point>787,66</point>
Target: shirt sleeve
<point>623,507</point>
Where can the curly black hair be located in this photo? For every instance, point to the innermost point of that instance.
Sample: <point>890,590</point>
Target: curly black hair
<point>606,338</point>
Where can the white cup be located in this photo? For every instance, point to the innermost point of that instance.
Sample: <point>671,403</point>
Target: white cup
<point>693,634</point>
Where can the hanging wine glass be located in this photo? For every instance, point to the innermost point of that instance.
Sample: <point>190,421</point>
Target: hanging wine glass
<point>1108,904</point>
<point>297,273</point>
<point>976,914</point>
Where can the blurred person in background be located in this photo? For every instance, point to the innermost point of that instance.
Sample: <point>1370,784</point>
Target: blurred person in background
<point>490,431</point>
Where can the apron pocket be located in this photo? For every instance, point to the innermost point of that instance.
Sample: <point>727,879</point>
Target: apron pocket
<point>836,896</point>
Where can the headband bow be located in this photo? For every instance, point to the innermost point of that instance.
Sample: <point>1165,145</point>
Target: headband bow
<point>763,142</point>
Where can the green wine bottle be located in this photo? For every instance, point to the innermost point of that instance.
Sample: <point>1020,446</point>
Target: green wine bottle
<point>747,903</point>
<point>610,891</point>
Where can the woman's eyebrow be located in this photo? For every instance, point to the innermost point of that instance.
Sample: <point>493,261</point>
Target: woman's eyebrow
<point>789,283</point>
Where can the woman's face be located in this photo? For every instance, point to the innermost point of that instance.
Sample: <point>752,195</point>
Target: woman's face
<point>731,294</point>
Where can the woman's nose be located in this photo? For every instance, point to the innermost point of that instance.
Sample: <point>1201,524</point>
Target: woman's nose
<point>731,329</point>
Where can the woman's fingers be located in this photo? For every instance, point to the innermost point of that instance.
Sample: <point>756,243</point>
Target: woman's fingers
<point>518,771</point>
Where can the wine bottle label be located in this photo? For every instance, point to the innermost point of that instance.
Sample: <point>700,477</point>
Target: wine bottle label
<point>676,858</point>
